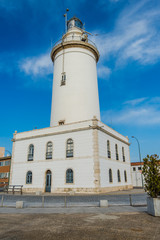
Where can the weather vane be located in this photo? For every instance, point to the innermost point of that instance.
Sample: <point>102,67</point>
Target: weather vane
<point>65,15</point>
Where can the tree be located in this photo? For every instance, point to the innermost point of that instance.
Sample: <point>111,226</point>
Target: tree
<point>151,172</point>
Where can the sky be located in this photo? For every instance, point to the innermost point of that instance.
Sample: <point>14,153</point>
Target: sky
<point>127,35</point>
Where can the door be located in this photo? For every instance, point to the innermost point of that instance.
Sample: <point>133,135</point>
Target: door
<point>48,181</point>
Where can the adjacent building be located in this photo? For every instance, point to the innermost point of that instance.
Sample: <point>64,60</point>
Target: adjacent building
<point>5,163</point>
<point>77,152</point>
<point>136,169</point>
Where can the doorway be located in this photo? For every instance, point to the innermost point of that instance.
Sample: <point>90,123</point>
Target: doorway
<point>48,181</point>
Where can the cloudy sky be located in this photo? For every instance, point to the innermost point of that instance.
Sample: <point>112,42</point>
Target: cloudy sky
<point>128,39</point>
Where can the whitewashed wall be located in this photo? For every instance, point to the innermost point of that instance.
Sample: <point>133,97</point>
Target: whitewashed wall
<point>107,163</point>
<point>81,163</point>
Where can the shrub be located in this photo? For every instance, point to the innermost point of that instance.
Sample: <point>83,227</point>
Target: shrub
<point>151,172</point>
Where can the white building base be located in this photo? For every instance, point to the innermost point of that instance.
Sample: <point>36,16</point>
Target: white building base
<point>90,163</point>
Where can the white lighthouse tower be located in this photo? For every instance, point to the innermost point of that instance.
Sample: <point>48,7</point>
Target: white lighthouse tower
<point>75,91</point>
<point>77,152</point>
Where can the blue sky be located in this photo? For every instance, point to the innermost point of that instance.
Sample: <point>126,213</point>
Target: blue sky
<point>128,70</point>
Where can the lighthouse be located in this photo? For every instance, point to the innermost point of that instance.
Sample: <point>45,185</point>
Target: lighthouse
<point>77,152</point>
<point>75,90</point>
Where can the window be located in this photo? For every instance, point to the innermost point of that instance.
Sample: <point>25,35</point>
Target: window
<point>139,168</point>
<point>4,175</point>
<point>63,80</point>
<point>110,176</point>
<point>7,163</point>
<point>134,169</point>
<point>118,176</point>
<point>69,176</point>
<point>116,149</point>
<point>123,155</point>
<point>49,150</point>
<point>29,177</point>
<point>30,152</point>
<point>61,122</point>
<point>1,164</point>
<point>69,148</point>
<point>125,176</point>
<point>108,149</point>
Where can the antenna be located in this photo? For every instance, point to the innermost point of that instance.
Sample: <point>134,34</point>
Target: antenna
<point>65,15</point>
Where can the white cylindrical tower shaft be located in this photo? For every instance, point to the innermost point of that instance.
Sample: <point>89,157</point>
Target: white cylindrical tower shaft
<point>75,89</point>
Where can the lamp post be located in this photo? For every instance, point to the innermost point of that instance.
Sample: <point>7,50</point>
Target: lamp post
<point>139,159</point>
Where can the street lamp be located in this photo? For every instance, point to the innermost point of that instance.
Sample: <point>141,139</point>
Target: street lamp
<point>140,159</point>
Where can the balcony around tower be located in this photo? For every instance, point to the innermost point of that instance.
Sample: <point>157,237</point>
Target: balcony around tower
<point>75,36</point>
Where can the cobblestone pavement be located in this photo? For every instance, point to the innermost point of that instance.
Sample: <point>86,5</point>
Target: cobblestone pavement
<point>118,222</point>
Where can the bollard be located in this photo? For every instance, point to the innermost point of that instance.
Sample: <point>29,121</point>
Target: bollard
<point>2,201</point>
<point>42,201</point>
<point>19,204</point>
<point>103,203</point>
<point>130,199</point>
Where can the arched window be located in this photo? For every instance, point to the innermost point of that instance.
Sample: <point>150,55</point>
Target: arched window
<point>125,176</point>
<point>118,175</point>
<point>29,177</point>
<point>123,155</point>
<point>108,149</point>
<point>30,152</point>
<point>69,148</point>
<point>49,150</point>
<point>110,176</point>
<point>69,176</point>
<point>116,149</point>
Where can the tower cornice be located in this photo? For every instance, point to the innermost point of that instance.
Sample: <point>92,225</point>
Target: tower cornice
<point>73,44</point>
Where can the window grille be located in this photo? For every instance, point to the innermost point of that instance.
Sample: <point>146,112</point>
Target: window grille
<point>69,176</point>
<point>31,152</point>
<point>49,150</point>
<point>125,176</point>
<point>63,80</point>
<point>69,148</point>
<point>123,155</point>
<point>118,176</point>
<point>29,177</point>
<point>110,176</point>
<point>108,149</point>
<point>116,149</point>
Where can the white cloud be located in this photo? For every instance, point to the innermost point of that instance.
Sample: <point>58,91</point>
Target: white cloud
<point>140,112</point>
<point>135,36</point>
<point>103,72</point>
<point>40,65</point>
<point>136,101</point>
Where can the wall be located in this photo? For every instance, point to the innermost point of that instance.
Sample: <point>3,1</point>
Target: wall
<point>107,163</point>
<point>81,164</point>
<point>77,100</point>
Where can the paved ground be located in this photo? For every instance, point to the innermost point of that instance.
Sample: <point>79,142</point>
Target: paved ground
<point>118,222</point>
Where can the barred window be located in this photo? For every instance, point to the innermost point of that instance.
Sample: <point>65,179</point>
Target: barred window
<point>69,176</point>
<point>125,176</point>
<point>116,150</point>
<point>110,176</point>
<point>49,150</point>
<point>31,152</point>
<point>123,155</point>
<point>118,176</point>
<point>29,177</point>
<point>108,149</point>
<point>69,148</point>
<point>63,80</point>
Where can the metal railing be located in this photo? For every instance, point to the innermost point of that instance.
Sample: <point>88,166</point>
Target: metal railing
<point>74,38</point>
